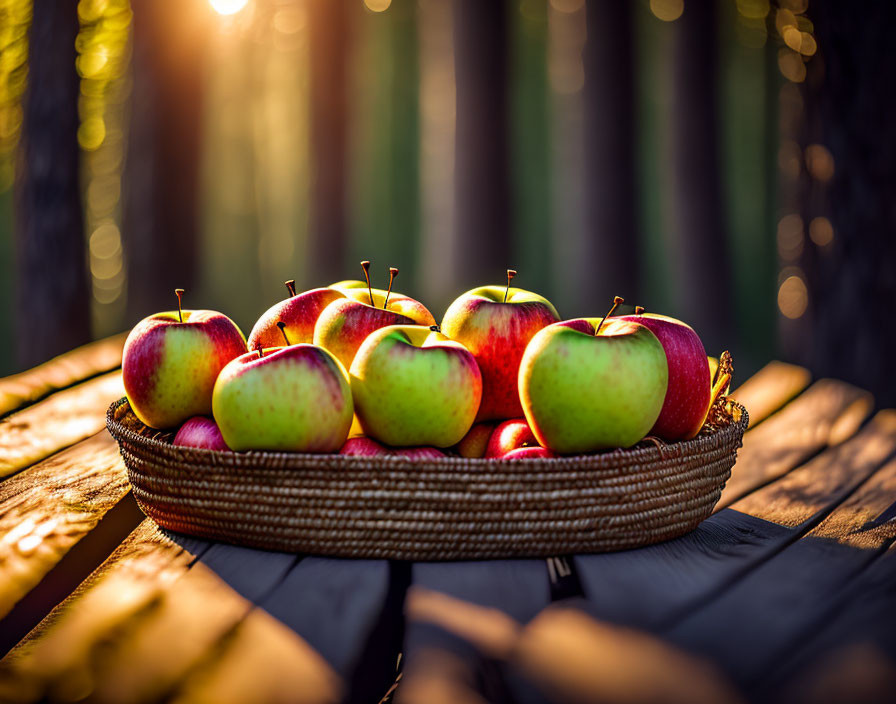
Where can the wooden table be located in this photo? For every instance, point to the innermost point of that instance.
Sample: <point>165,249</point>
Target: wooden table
<point>788,592</point>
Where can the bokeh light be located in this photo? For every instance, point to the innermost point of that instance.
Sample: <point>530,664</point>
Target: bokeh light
<point>667,10</point>
<point>227,7</point>
<point>821,232</point>
<point>819,162</point>
<point>790,237</point>
<point>793,297</point>
<point>15,17</point>
<point>377,5</point>
<point>103,52</point>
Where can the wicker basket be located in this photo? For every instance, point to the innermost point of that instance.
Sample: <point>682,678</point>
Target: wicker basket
<point>440,509</point>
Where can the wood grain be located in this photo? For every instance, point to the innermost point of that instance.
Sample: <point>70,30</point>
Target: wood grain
<point>829,412</point>
<point>659,585</point>
<point>770,388</point>
<point>825,480</point>
<point>58,659</point>
<point>262,661</point>
<point>768,612</point>
<point>852,653</point>
<point>49,507</point>
<point>63,419</point>
<point>60,372</point>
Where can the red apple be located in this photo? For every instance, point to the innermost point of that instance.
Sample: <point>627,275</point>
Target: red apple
<point>299,313</point>
<point>528,453</point>
<point>475,442</point>
<point>388,299</point>
<point>200,431</point>
<point>346,323</point>
<point>366,447</point>
<point>496,323</point>
<point>171,361</point>
<point>690,384</point>
<point>508,436</point>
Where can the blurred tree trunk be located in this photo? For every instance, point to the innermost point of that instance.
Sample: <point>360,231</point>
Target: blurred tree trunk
<point>329,120</point>
<point>482,168</point>
<point>53,309</point>
<point>699,250</point>
<point>849,102</point>
<point>161,177</point>
<point>612,255</point>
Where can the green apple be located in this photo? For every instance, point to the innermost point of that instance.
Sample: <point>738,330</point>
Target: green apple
<point>413,386</point>
<point>589,384</point>
<point>171,361</point>
<point>294,398</point>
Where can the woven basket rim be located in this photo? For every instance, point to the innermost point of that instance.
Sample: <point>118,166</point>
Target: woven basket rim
<point>278,461</point>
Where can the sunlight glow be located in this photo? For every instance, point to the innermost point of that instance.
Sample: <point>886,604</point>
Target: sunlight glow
<point>227,7</point>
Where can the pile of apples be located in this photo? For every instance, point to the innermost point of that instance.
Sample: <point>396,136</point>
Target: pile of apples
<point>363,371</point>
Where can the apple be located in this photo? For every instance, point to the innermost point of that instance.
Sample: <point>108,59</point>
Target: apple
<point>200,431</point>
<point>299,312</point>
<point>419,453</point>
<point>510,435</point>
<point>345,324</point>
<point>413,386</point>
<point>365,447</point>
<point>496,323</point>
<point>592,383</point>
<point>690,381</point>
<point>388,299</point>
<point>475,442</point>
<point>294,398</point>
<point>171,360</point>
<point>528,453</point>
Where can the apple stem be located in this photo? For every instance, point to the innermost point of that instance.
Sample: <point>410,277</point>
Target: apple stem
<point>260,352</point>
<point>393,272</point>
<point>510,274</point>
<point>291,287</point>
<point>639,310</point>
<point>365,265</point>
<point>180,313</point>
<point>616,301</point>
<point>282,326</point>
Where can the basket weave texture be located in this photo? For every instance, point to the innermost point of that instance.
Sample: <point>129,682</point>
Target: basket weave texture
<point>434,509</point>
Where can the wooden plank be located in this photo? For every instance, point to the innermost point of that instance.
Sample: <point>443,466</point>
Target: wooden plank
<point>349,612</point>
<point>262,661</point>
<point>517,588</point>
<point>60,372</point>
<point>770,388</point>
<point>852,655</point>
<point>658,585</point>
<point>48,508</point>
<point>566,655</point>
<point>57,659</point>
<point>827,414</point>
<point>193,615</point>
<point>65,418</point>
<point>767,612</point>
